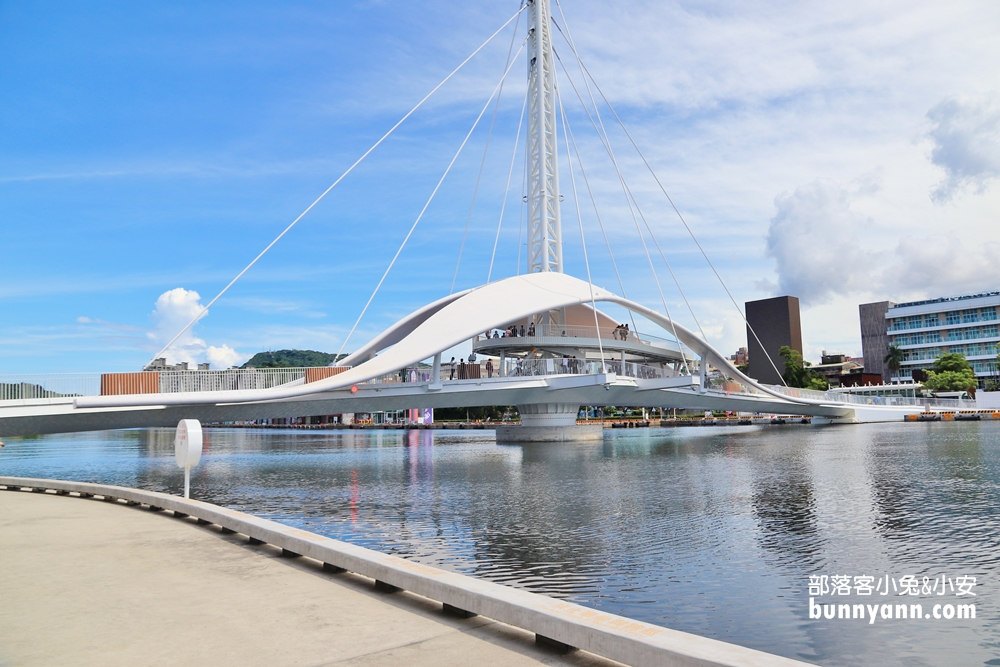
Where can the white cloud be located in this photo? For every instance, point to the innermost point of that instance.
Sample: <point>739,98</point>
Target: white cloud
<point>813,239</point>
<point>939,266</point>
<point>816,241</point>
<point>966,137</point>
<point>174,309</point>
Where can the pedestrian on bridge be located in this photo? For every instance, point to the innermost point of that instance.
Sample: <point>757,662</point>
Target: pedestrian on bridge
<point>451,366</point>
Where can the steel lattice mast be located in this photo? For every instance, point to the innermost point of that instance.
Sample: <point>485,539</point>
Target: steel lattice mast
<point>544,222</point>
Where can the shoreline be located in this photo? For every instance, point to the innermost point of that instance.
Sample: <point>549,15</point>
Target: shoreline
<point>554,623</point>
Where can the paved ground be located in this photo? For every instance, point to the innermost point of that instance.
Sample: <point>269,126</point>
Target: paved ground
<point>84,582</point>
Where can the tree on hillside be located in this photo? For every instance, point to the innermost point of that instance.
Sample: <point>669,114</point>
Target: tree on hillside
<point>894,359</point>
<point>951,372</point>
<point>797,372</point>
<point>291,359</point>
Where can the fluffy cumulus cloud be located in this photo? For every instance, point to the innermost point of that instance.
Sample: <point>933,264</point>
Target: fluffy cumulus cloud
<point>813,240</point>
<point>966,145</point>
<point>817,242</point>
<point>173,310</point>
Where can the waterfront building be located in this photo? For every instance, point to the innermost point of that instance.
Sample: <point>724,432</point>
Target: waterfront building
<point>775,322</point>
<point>160,364</point>
<point>834,367</point>
<point>924,330</point>
<point>740,357</point>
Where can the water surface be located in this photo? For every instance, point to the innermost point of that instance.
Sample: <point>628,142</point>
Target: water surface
<point>709,530</point>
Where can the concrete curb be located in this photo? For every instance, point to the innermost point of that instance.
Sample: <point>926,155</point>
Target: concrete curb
<point>555,621</point>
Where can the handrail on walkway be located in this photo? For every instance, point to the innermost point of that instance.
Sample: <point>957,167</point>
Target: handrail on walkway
<point>607,635</point>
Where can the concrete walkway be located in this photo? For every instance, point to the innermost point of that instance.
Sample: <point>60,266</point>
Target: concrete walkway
<point>84,582</point>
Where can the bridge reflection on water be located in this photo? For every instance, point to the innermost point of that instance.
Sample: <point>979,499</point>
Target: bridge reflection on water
<point>710,532</point>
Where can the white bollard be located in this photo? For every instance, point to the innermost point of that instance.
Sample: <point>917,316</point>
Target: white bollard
<point>187,449</point>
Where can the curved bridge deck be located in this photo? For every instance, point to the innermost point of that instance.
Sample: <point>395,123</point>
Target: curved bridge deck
<point>544,382</point>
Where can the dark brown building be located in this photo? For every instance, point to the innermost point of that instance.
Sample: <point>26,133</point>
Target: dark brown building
<point>875,339</point>
<point>776,322</point>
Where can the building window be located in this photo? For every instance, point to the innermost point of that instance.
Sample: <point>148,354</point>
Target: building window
<point>970,315</point>
<point>988,313</point>
<point>914,322</point>
<point>956,334</point>
<point>934,337</point>
<point>931,320</point>
<point>990,331</point>
<point>954,317</point>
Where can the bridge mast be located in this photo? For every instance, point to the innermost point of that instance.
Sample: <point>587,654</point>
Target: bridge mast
<point>544,223</point>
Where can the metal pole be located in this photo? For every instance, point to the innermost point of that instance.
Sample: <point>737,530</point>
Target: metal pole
<point>187,481</point>
<point>544,219</point>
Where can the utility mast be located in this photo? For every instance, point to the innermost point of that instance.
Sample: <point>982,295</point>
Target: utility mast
<point>544,222</point>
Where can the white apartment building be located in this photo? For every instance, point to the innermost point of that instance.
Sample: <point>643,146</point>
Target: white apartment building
<point>925,330</point>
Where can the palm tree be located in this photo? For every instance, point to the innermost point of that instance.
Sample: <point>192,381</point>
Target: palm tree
<point>894,359</point>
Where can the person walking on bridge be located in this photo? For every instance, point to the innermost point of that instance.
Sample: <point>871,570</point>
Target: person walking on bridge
<point>451,366</point>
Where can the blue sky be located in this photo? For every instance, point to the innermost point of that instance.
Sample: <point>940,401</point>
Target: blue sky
<point>841,153</point>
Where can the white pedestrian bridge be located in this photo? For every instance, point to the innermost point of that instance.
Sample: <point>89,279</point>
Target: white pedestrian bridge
<point>392,372</point>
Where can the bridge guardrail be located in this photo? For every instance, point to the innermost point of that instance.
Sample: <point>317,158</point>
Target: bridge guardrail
<point>63,385</point>
<point>576,331</point>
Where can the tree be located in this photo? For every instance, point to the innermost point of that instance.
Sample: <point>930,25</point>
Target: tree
<point>993,384</point>
<point>797,372</point>
<point>951,372</point>
<point>291,359</point>
<point>894,360</point>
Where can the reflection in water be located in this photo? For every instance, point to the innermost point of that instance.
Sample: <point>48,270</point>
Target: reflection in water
<point>784,505</point>
<point>713,531</point>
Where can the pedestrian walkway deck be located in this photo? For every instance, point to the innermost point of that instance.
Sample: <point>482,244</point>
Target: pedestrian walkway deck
<point>84,582</point>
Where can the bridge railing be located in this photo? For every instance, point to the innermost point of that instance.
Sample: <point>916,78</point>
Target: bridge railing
<point>478,370</point>
<point>228,380</point>
<point>25,387</point>
<point>569,331</point>
<point>858,399</point>
<point>68,385</point>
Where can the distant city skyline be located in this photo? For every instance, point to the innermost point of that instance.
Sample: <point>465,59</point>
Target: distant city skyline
<point>842,155</point>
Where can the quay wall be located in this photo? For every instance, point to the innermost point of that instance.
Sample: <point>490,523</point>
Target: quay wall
<point>553,621</point>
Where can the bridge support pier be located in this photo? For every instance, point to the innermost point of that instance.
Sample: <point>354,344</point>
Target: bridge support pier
<point>549,422</point>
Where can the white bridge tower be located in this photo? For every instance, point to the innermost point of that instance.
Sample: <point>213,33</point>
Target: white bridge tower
<point>545,251</point>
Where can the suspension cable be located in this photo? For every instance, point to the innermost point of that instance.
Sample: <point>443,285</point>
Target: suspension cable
<point>628,201</point>
<point>524,199</point>
<point>506,192</point>
<point>588,74</point>
<point>482,163</point>
<point>335,183</point>
<point>606,139</point>
<point>665,307</point>
<point>429,200</point>
<point>583,239</point>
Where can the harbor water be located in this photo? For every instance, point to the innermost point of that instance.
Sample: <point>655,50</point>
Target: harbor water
<point>717,531</point>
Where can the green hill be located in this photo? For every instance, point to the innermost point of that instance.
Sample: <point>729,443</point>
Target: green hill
<point>290,359</point>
